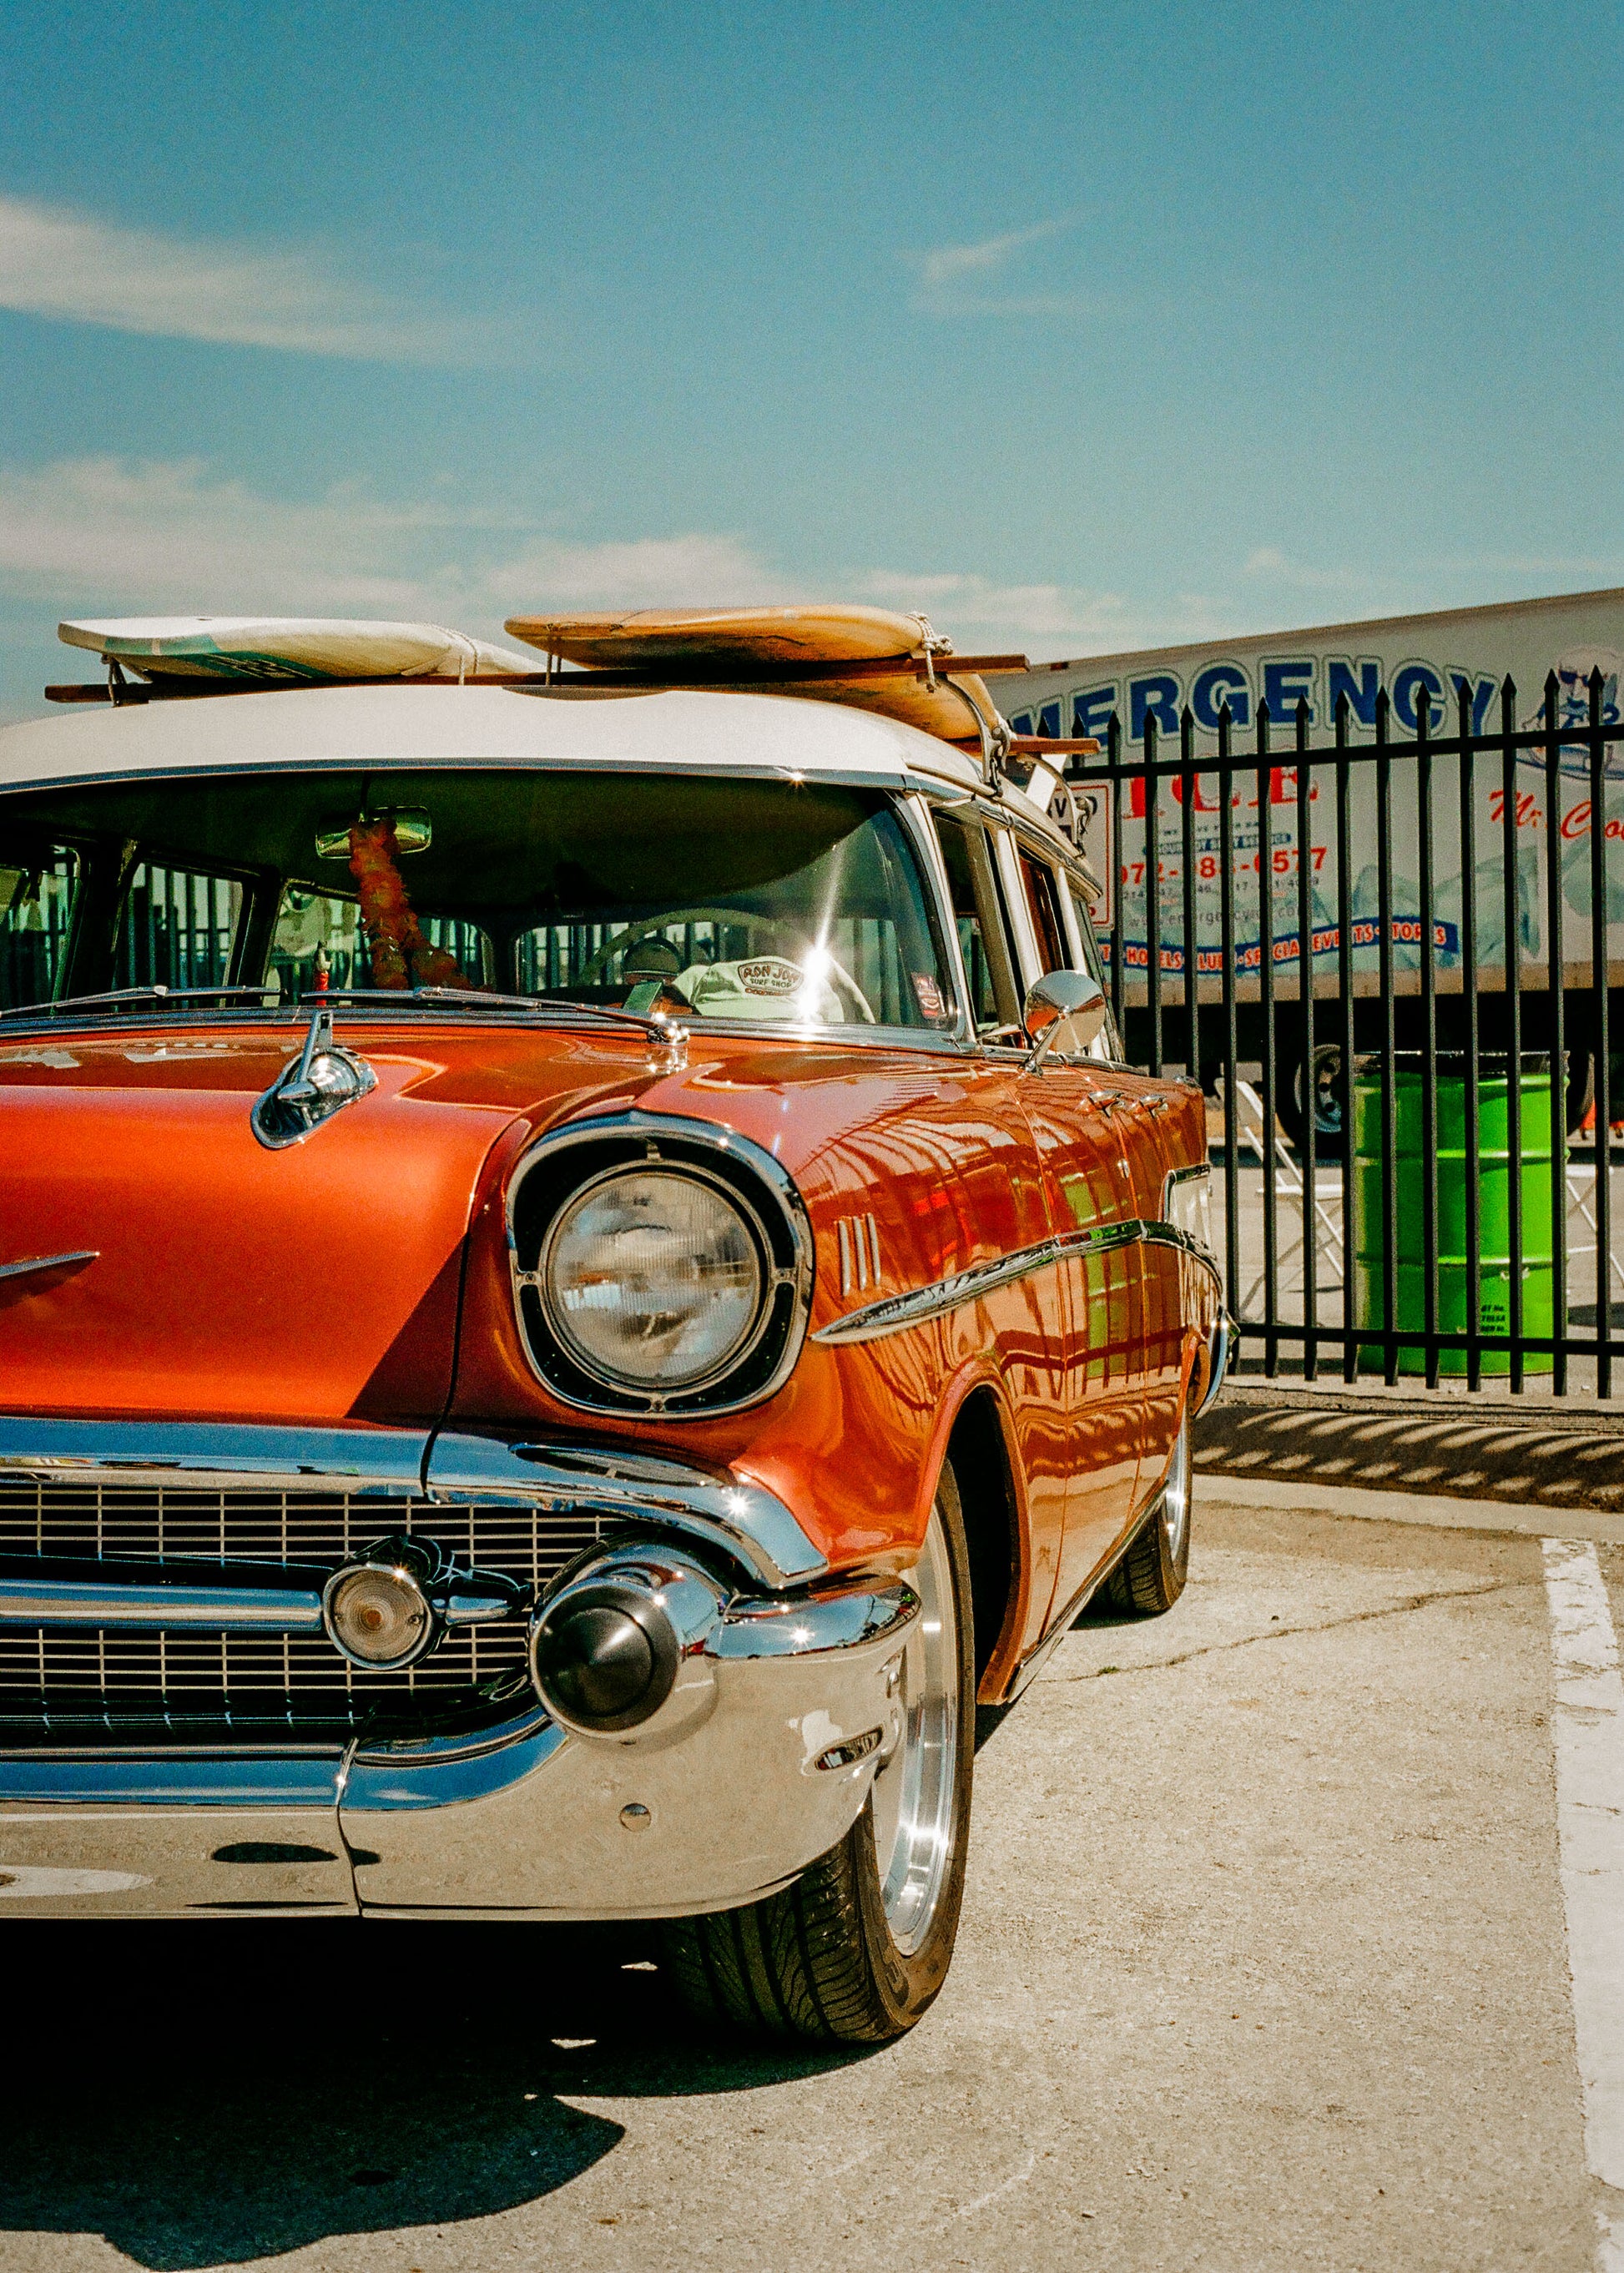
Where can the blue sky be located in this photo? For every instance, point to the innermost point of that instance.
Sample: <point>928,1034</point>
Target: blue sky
<point>1079,328</point>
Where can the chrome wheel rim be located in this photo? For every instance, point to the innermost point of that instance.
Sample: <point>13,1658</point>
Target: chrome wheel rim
<point>915,1790</point>
<point>1175,1495</point>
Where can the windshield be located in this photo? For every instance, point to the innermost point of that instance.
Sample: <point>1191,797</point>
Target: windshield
<point>765,902</point>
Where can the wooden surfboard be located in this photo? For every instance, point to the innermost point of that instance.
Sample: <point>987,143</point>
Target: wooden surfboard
<point>725,646</point>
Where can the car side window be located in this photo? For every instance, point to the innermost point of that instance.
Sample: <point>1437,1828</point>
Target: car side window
<point>1093,963</point>
<point>978,915</point>
<point>1107,1044</point>
<point>178,928</point>
<point>38,883</point>
<point>1043,902</point>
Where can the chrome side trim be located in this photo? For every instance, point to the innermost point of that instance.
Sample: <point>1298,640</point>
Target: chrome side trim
<point>1038,1656</point>
<point>217,1456</point>
<point>48,1262</point>
<point>898,1312</point>
<point>750,1525</point>
<point>858,1240</point>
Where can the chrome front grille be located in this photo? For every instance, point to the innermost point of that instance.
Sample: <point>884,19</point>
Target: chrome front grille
<point>66,1685</point>
<point>59,1516</point>
<point>81,1684</point>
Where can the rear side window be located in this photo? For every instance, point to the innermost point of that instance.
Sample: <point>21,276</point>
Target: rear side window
<point>178,928</point>
<point>1043,900</point>
<point>38,886</point>
<point>1093,962</point>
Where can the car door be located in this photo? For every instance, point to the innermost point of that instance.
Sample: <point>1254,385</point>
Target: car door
<point>1146,1112</point>
<point>1075,1111</point>
<point>1032,1321</point>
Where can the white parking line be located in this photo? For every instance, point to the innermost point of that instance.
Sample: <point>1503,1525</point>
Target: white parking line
<point>1588,1727</point>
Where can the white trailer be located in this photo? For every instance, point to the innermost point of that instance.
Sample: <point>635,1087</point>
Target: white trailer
<point>1427,667</point>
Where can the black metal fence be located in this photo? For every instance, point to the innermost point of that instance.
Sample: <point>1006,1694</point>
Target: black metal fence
<point>1397,967</point>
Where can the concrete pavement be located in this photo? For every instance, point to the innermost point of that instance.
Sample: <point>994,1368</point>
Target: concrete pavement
<point>1263,1965</point>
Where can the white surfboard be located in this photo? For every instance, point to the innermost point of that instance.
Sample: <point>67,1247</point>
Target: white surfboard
<point>311,651</point>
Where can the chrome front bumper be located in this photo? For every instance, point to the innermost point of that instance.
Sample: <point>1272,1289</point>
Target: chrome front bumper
<point>535,1820</point>
<point>518,1817</point>
<point>1220,1348</point>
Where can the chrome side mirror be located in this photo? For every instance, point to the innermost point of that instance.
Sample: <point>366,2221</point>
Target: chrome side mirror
<point>1064,1011</point>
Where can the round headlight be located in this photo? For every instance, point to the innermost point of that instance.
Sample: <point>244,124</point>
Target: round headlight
<point>652,1278</point>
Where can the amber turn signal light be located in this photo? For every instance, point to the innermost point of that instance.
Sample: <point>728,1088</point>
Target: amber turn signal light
<point>377,1610</point>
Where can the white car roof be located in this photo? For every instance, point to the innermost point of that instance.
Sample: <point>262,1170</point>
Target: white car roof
<point>444,724</point>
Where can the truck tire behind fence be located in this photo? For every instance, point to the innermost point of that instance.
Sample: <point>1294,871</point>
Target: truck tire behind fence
<point>1293,1090</point>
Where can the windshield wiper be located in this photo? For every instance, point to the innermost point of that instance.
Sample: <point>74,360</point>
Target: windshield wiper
<point>534,1006</point>
<point>549,1012</point>
<point>73,1006</point>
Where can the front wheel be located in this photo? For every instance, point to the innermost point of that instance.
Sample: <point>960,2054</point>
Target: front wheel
<point>857,1948</point>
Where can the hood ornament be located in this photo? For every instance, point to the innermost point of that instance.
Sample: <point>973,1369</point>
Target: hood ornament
<point>311,1088</point>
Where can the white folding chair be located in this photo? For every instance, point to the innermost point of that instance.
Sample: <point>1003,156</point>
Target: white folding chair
<point>1252,1132</point>
<point>1582,1202</point>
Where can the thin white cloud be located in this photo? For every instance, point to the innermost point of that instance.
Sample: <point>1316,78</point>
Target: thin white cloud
<point>75,268</point>
<point>101,531</point>
<point>949,273</point>
<point>646,572</point>
<point>1268,564</point>
<point>1043,620</point>
<point>949,262</point>
<point>103,536</point>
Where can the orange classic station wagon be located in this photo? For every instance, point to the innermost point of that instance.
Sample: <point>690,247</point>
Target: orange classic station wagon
<point>580,1279</point>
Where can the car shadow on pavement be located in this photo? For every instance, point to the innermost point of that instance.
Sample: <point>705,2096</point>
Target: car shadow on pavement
<point>204,2094</point>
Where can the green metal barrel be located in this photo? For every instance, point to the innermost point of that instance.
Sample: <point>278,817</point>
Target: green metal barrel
<point>1373,1228</point>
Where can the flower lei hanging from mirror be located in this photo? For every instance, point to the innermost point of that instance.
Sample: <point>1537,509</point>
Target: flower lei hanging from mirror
<point>400,956</point>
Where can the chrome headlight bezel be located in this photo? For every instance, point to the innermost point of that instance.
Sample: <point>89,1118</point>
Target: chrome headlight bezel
<point>569,1162</point>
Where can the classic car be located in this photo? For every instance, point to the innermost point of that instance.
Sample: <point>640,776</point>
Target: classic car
<point>580,1280</point>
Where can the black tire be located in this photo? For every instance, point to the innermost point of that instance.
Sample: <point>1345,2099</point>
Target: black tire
<point>1151,1576</point>
<point>820,1961</point>
<point>1325,1089</point>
